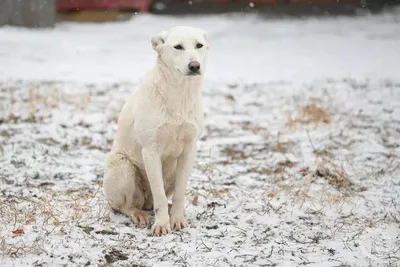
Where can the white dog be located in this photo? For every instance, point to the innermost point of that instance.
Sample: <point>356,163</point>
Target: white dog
<point>158,128</point>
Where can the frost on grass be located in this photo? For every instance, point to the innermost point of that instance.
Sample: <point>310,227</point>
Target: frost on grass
<point>286,175</point>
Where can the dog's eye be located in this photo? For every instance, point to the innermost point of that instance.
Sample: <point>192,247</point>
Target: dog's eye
<point>199,45</point>
<point>178,47</point>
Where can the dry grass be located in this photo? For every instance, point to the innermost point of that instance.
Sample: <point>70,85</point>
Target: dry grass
<point>310,114</point>
<point>51,214</point>
<point>40,101</point>
<point>313,113</point>
<point>330,172</point>
<point>234,153</point>
<point>284,147</point>
<point>255,128</point>
<point>333,174</point>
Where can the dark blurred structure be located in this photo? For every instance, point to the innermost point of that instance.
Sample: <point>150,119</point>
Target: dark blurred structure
<point>220,6</point>
<point>283,7</point>
<point>71,5</point>
<point>28,13</point>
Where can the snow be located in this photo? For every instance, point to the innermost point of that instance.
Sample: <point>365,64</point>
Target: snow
<point>299,163</point>
<point>273,50</point>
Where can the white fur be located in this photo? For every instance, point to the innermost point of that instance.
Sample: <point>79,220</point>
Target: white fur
<point>158,127</point>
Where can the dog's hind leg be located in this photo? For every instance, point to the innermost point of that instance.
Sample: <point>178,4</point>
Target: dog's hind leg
<point>122,190</point>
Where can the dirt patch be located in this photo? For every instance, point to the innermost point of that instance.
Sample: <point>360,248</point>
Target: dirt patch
<point>115,255</point>
<point>106,232</point>
<point>86,229</point>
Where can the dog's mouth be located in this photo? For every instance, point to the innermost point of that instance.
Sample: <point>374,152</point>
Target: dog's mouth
<point>193,73</point>
<point>190,73</point>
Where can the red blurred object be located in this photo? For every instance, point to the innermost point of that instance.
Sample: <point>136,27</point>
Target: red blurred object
<point>70,5</point>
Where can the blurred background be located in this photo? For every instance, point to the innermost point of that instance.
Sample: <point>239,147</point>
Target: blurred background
<point>105,40</point>
<point>41,13</point>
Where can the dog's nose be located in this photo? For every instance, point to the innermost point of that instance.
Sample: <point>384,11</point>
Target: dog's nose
<point>194,66</point>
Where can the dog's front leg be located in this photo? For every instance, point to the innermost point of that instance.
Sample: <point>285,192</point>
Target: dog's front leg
<point>183,168</point>
<point>152,162</point>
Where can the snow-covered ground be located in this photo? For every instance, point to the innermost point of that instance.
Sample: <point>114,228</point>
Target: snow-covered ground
<point>299,163</point>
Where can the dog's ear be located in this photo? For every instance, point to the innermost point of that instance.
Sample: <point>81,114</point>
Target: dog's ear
<point>205,36</point>
<point>158,40</point>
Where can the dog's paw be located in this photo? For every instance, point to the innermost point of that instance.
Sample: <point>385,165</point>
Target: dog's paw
<point>161,228</point>
<point>178,223</point>
<point>141,218</point>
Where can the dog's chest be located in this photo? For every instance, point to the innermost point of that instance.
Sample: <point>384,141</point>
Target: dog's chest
<point>175,138</point>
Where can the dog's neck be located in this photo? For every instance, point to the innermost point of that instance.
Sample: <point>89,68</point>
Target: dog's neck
<point>180,94</point>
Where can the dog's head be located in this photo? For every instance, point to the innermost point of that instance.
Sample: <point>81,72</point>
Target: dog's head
<point>182,49</point>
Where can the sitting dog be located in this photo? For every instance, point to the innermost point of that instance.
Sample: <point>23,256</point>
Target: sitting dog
<point>158,127</point>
